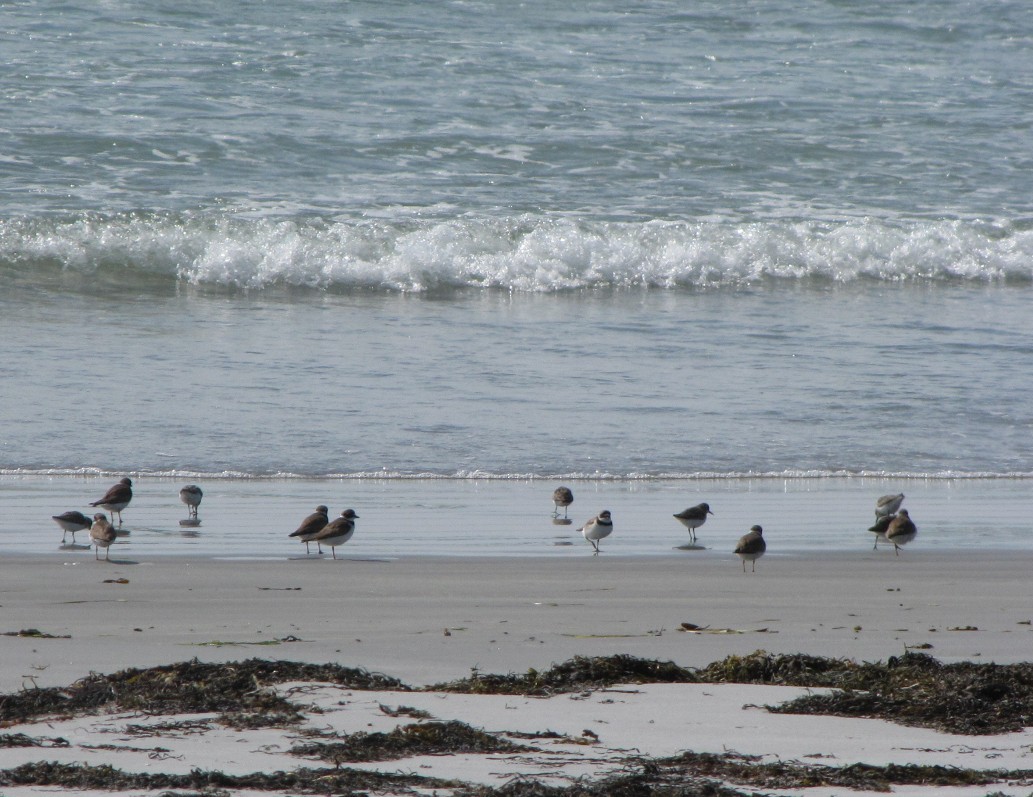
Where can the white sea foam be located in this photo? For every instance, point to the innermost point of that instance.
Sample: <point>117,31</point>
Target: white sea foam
<point>525,254</point>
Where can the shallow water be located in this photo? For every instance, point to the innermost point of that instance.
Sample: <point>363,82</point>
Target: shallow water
<point>642,248</point>
<point>251,519</point>
<point>885,381</point>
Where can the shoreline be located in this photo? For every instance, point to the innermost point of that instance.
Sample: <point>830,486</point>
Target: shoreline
<point>247,519</point>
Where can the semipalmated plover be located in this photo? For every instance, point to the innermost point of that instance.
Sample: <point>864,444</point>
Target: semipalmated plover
<point>694,517</point>
<point>338,531</point>
<point>562,497</point>
<point>103,534</point>
<point>598,527</point>
<point>311,526</point>
<point>191,495</point>
<point>888,505</point>
<point>751,547</point>
<point>72,521</point>
<point>116,499</point>
<point>901,530</point>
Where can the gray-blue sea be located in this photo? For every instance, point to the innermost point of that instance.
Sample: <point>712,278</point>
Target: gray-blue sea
<point>325,252</point>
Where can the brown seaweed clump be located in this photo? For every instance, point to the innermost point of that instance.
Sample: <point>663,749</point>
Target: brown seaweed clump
<point>916,689</point>
<point>234,689</point>
<point>575,675</point>
<point>428,738</point>
<point>304,781</point>
<point>688,774</point>
<point>796,669</point>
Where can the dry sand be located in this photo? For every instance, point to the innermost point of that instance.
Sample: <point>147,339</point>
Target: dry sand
<point>427,620</point>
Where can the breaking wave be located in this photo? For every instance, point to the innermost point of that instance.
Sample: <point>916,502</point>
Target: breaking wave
<point>533,254</point>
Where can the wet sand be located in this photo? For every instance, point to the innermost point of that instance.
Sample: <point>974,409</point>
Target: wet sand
<point>505,615</point>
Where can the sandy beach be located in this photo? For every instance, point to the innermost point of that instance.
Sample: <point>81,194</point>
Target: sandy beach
<point>505,615</point>
<point>429,620</point>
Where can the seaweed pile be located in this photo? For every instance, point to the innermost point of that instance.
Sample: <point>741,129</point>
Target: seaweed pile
<point>913,689</point>
<point>304,781</point>
<point>238,690</point>
<point>690,774</point>
<point>427,738</point>
<point>578,674</point>
<point>916,689</point>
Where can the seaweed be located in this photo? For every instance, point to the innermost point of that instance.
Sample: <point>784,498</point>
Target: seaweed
<point>915,689</point>
<point>308,781</point>
<point>187,688</point>
<point>689,774</point>
<point>35,633</point>
<point>24,740</point>
<point>575,675</point>
<point>797,669</point>
<point>912,689</point>
<point>430,738</point>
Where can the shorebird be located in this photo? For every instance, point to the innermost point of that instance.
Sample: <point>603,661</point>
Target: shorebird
<point>751,547</point>
<point>191,495</point>
<point>901,530</point>
<point>311,526</point>
<point>562,496</point>
<point>338,531</point>
<point>116,499</point>
<point>103,534</point>
<point>888,505</point>
<point>694,517</point>
<point>598,527</point>
<point>879,529</point>
<point>72,521</point>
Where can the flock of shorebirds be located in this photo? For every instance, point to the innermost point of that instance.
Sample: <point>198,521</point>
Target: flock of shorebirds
<point>117,498</point>
<point>317,527</point>
<point>892,524</point>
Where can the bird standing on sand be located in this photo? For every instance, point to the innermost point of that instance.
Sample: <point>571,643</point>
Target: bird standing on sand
<point>103,534</point>
<point>311,526</point>
<point>71,521</point>
<point>888,505</point>
<point>116,499</point>
<point>338,531</point>
<point>191,495</point>
<point>901,530</point>
<point>879,529</point>
<point>562,496</point>
<point>598,527</point>
<point>751,547</point>
<point>694,517</point>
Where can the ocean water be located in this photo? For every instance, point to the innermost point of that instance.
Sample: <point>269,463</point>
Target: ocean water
<point>466,249</point>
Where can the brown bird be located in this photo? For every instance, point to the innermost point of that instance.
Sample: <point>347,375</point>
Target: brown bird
<point>116,499</point>
<point>562,496</point>
<point>751,547</point>
<point>72,521</point>
<point>901,530</point>
<point>694,517</point>
<point>103,534</point>
<point>191,495</point>
<point>311,526</point>
<point>338,531</point>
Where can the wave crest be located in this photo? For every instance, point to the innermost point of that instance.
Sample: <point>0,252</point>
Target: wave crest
<point>537,254</point>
